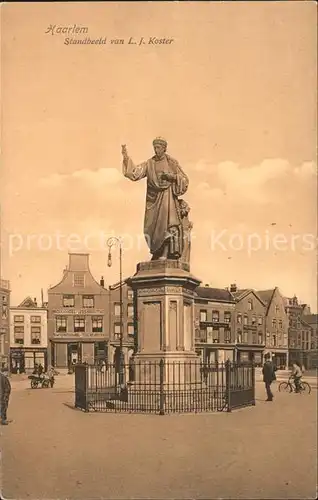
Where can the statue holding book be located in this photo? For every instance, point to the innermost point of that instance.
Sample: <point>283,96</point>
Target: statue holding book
<point>164,225</point>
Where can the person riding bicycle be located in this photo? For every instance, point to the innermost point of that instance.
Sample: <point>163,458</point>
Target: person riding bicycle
<point>297,374</point>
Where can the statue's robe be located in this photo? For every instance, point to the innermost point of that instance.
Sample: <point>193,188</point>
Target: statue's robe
<point>162,215</point>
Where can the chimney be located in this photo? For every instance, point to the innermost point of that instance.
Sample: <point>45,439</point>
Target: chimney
<point>35,302</point>
<point>233,287</point>
<point>102,282</point>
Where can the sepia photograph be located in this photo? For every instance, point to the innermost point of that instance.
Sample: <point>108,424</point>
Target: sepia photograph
<point>158,250</point>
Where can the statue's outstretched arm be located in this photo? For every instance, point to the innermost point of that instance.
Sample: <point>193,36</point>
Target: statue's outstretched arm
<point>131,171</point>
<point>134,172</point>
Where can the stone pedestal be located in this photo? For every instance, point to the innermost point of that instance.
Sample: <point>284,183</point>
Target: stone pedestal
<point>165,324</point>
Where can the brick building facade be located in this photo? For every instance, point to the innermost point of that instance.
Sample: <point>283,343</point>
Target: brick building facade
<point>4,323</point>
<point>78,316</point>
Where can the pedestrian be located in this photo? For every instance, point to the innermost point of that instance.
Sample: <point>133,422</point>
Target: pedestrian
<point>268,376</point>
<point>40,370</point>
<point>5,391</point>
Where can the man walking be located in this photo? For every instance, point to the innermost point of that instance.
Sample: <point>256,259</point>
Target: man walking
<point>5,391</point>
<point>268,376</point>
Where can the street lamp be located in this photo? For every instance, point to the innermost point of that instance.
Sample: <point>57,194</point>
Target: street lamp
<point>115,240</point>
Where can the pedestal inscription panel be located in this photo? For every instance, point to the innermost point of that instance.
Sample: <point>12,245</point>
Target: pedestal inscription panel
<point>152,326</point>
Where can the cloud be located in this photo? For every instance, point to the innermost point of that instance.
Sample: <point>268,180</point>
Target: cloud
<point>307,170</point>
<point>95,178</point>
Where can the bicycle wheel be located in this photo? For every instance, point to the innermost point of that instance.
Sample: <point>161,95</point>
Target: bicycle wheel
<point>285,387</point>
<point>305,387</point>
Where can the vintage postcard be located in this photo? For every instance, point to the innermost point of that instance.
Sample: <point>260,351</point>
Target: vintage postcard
<point>158,264</point>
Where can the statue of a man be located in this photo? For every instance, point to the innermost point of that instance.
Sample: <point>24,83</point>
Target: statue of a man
<point>165,182</point>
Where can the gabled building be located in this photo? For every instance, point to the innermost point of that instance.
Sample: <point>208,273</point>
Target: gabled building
<point>276,326</point>
<point>249,325</point>
<point>311,352</point>
<point>214,334</point>
<point>78,316</point>
<point>4,323</point>
<point>129,341</point>
<point>299,331</point>
<point>28,336</point>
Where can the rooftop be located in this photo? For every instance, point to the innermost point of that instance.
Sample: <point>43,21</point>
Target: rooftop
<point>311,319</point>
<point>218,294</point>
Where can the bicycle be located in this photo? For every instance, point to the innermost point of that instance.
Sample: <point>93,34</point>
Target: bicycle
<point>290,386</point>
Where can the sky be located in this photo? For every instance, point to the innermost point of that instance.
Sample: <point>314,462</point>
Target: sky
<point>235,96</point>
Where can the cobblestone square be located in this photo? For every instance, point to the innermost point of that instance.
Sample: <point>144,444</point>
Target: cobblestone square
<point>51,450</point>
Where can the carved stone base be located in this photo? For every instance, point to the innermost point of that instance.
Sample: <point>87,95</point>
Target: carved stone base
<point>171,370</point>
<point>164,314</point>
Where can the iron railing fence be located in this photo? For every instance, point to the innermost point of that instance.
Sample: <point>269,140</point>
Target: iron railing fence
<point>163,387</point>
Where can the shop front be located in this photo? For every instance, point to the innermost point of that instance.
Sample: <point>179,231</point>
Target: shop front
<point>248,355</point>
<point>66,354</point>
<point>279,359</point>
<point>23,360</point>
<point>217,355</point>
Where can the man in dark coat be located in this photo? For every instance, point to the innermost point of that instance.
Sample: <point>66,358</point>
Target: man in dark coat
<point>268,376</point>
<point>5,391</point>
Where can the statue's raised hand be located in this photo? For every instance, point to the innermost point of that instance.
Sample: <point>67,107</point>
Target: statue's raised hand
<point>124,152</point>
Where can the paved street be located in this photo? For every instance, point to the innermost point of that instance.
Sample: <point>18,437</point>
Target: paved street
<point>53,451</point>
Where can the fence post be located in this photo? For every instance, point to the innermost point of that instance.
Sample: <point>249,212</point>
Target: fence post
<point>161,380</point>
<point>228,383</point>
<point>86,387</point>
<point>253,383</point>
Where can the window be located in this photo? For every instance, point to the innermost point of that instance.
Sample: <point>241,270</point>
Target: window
<point>274,341</point>
<point>245,319</point>
<point>35,335</point>
<point>260,320</point>
<point>227,335</point>
<point>130,294</point>
<point>131,330</point>
<point>19,319</point>
<point>260,337</point>
<point>239,337</point>
<point>254,338</point>
<point>79,324</point>
<point>245,337</point>
<point>78,279</point>
<point>216,335</point>
<point>117,309</point>
<point>61,323</point>
<point>19,334</point>
<point>209,335</point>
<point>88,301</point>
<point>97,324</point>
<point>227,317</point>
<point>130,311</point>
<point>276,309</point>
<point>203,315</point>
<point>215,316</point>
<point>239,319</point>
<point>35,319</point>
<point>253,320</point>
<point>68,301</point>
<point>117,330</point>
<point>274,323</point>
<point>250,305</point>
<point>203,335</point>
<point>280,323</point>
<point>4,300</point>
